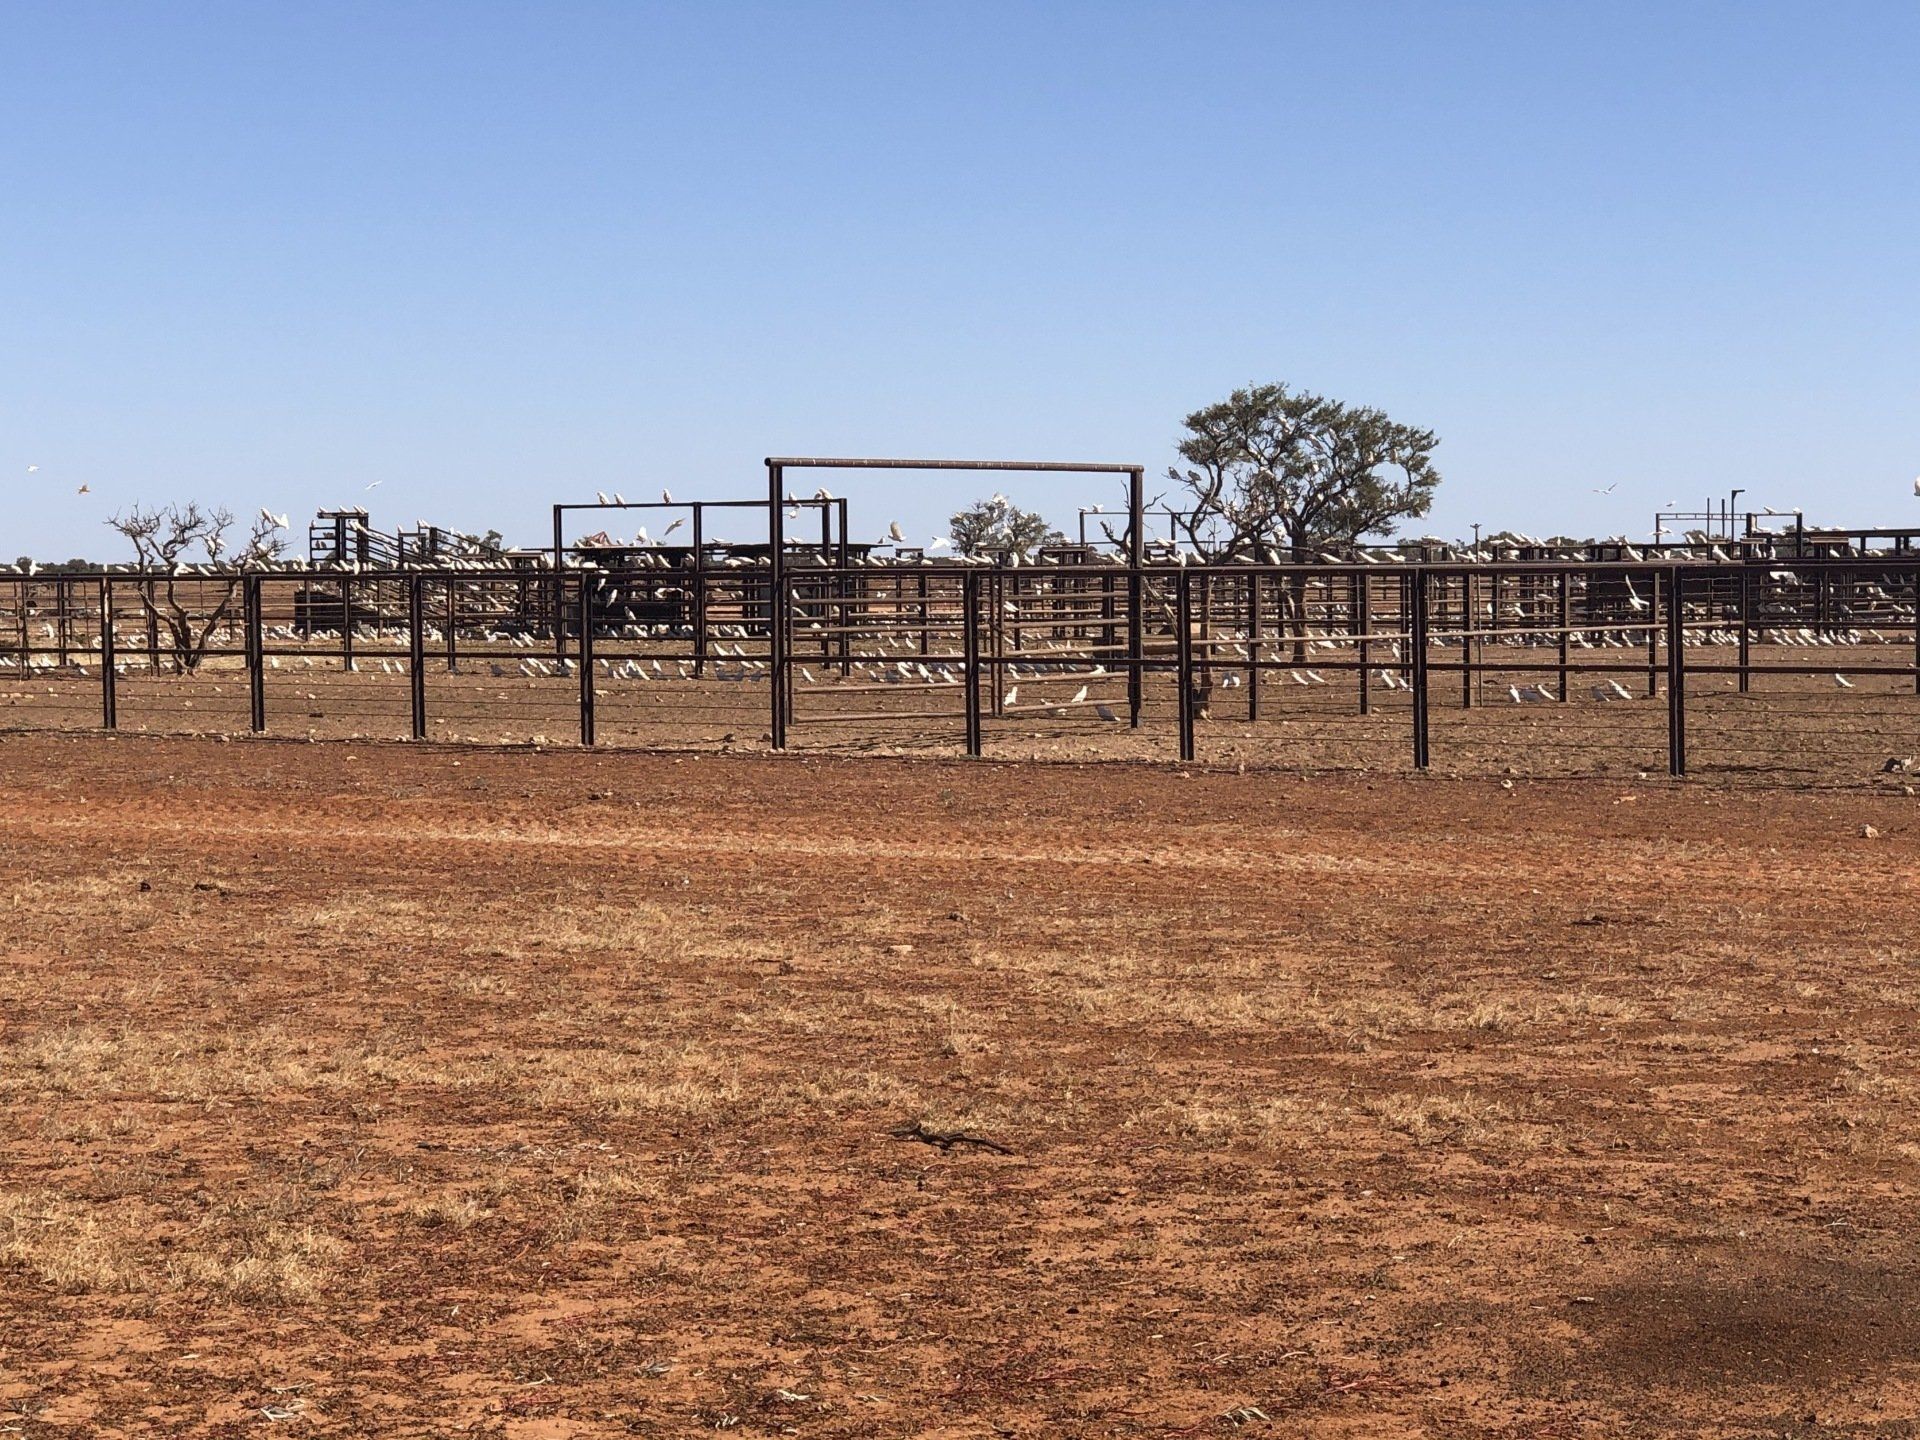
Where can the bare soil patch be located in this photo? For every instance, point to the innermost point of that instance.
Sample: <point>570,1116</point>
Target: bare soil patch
<point>376,1089</point>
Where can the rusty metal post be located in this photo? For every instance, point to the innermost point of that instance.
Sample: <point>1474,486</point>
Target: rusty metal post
<point>997,638</point>
<point>1254,599</point>
<point>256,648</point>
<point>1362,627</point>
<point>1183,657</point>
<point>1136,590</point>
<point>1467,588</point>
<point>109,700</point>
<point>1417,654</point>
<point>1565,607</point>
<point>559,590</point>
<point>584,653</point>
<point>1676,678</point>
<point>699,593</point>
<point>777,604</point>
<point>417,654</point>
<point>970,654</point>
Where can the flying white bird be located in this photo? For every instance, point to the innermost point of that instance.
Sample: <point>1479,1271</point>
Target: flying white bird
<point>671,528</point>
<point>83,490</point>
<point>939,542</point>
<point>1843,682</point>
<point>376,485</point>
<point>896,534</point>
<point>32,468</point>
<point>1608,490</point>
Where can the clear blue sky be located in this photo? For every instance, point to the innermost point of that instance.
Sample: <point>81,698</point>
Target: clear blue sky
<point>493,254</point>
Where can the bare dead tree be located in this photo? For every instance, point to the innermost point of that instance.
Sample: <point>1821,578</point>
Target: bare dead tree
<point>181,545</point>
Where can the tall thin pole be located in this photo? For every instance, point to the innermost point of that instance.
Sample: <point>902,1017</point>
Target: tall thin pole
<point>109,701</point>
<point>1565,607</point>
<point>1417,646</point>
<point>1676,678</point>
<point>417,654</point>
<point>1136,557</point>
<point>1254,599</point>
<point>699,592</point>
<point>1363,626</point>
<point>1183,653</point>
<point>586,659</point>
<point>776,604</point>
<point>559,594</point>
<point>970,654</point>
<point>256,648</point>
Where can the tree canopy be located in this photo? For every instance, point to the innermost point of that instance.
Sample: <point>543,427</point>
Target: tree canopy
<point>997,526</point>
<point>1272,469</point>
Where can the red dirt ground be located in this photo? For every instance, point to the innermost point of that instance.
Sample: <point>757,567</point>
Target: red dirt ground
<point>389,1090</point>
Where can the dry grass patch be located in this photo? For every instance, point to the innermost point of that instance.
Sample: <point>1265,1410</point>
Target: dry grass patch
<point>1272,1122</point>
<point>68,1245</point>
<point>243,1249</point>
<point>1462,1118</point>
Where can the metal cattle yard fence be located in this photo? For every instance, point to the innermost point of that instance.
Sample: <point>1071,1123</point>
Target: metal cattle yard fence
<point>1806,670</point>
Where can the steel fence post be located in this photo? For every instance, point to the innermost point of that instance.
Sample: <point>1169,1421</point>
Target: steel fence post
<point>777,606</point>
<point>109,701</point>
<point>417,654</point>
<point>970,655</point>
<point>1417,648</point>
<point>1565,607</point>
<point>256,653</point>
<point>1676,677</point>
<point>1183,657</point>
<point>584,653</point>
